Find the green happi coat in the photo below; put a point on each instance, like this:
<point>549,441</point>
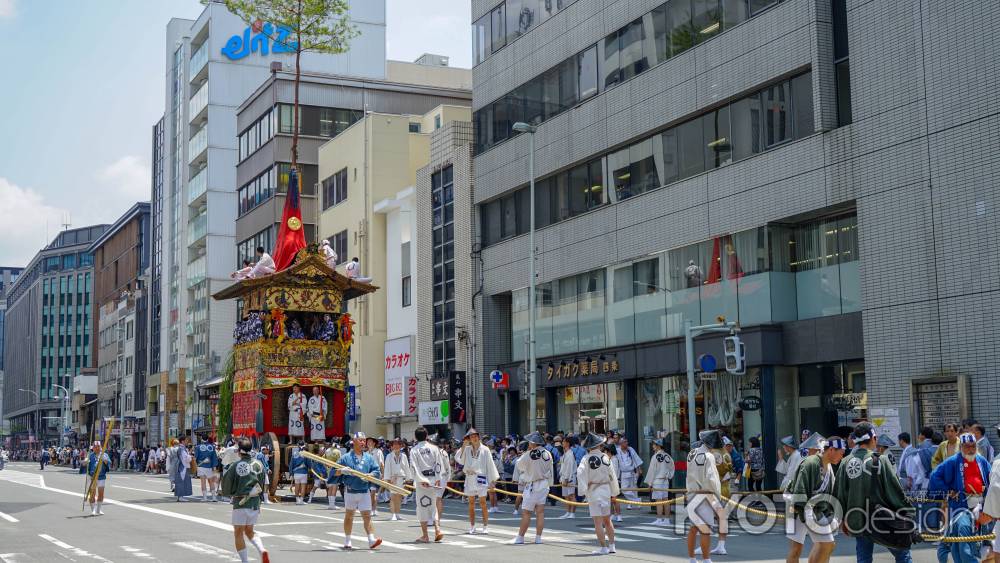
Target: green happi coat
<point>852,488</point>
<point>810,481</point>
<point>243,481</point>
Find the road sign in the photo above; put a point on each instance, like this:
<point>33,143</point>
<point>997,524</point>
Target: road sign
<point>496,376</point>
<point>500,379</point>
<point>706,362</point>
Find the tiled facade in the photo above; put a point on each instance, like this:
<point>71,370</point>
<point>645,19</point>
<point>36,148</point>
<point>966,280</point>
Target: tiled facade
<point>915,162</point>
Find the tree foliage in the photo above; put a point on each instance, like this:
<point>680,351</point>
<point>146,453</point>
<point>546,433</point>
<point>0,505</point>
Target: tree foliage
<point>225,424</point>
<point>319,26</point>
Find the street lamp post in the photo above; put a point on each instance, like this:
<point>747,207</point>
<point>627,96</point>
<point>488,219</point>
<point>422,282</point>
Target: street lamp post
<point>32,430</point>
<point>65,423</point>
<point>522,127</point>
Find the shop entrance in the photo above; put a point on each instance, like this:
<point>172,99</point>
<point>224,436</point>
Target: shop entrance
<point>597,408</point>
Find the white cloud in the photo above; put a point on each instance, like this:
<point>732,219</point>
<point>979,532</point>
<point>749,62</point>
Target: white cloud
<point>7,9</point>
<point>26,222</point>
<point>126,179</point>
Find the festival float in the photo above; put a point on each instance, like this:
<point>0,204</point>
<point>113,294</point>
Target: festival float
<point>293,329</point>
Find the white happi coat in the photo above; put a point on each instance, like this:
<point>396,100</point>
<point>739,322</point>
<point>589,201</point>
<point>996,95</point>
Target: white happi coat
<point>596,478</point>
<point>661,470</point>
<point>628,463</point>
<point>397,468</point>
<point>535,469</point>
<point>788,466</point>
<point>264,266</point>
<point>567,469</point>
<point>703,477</point>
<point>317,426</point>
<point>428,477</point>
<point>296,410</point>
<point>477,464</point>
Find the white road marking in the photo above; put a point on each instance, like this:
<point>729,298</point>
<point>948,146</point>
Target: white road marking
<point>186,517</point>
<point>334,518</point>
<point>136,552</point>
<point>306,540</point>
<point>74,550</point>
<point>10,557</point>
<point>114,486</point>
<point>632,532</point>
<point>401,546</point>
<point>290,523</point>
<point>205,549</point>
<point>8,517</point>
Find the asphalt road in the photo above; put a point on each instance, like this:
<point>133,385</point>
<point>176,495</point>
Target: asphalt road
<point>41,520</point>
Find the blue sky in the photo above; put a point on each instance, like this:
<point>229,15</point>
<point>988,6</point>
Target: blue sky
<point>83,86</point>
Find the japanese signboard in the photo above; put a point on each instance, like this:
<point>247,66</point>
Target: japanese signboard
<point>938,403</point>
<point>411,395</point>
<point>352,403</point>
<point>582,368</point>
<point>398,367</point>
<point>432,412</point>
<point>457,396</point>
<point>439,388</point>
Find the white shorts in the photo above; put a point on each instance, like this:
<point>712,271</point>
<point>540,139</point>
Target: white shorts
<point>568,491</point>
<point>700,511</point>
<point>439,493</point>
<point>318,483</point>
<point>534,495</point>
<point>358,501</point>
<point>100,483</point>
<point>474,488</point>
<point>206,472</point>
<point>300,478</point>
<point>599,508</point>
<point>817,532</point>
<point>245,516</point>
<point>660,495</point>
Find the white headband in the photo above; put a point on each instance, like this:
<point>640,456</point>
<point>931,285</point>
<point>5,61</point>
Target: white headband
<point>863,438</point>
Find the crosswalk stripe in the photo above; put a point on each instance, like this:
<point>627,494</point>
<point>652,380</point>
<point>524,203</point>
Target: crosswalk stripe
<point>10,557</point>
<point>401,546</point>
<point>8,517</point>
<point>74,550</point>
<point>136,552</point>
<point>205,549</point>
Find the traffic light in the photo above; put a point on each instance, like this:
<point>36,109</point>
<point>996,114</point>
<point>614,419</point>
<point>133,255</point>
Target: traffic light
<point>736,355</point>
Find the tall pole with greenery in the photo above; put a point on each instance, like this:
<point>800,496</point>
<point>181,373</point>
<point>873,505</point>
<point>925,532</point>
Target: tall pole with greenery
<point>300,26</point>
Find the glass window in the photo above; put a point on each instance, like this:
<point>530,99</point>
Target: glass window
<point>285,118</point>
<point>734,13</point>
<point>658,28</point>
<point>671,158</point>
<point>501,121</point>
<point>706,18</point>
<point>682,33</point>
<point>643,174</point>
<point>498,27</point>
<point>569,87</point>
<point>551,99</point>
<point>68,261</point>
<point>480,39</point>
<point>560,197</point>
<point>612,60</point>
<point>530,95</point>
<point>777,122</point>
<point>718,148</point>
<point>844,111</point>
<point>543,204</point>
<point>618,166</point>
<point>745,119</point>
<point>509,224</point>
<point>802,105</point>
<point>631,39</point>
<point>522,204</point>
<point>690,148</point>
<point>590,310</point>
<point>579,189</point>
<point>596,192</point>
<point>587,71</point>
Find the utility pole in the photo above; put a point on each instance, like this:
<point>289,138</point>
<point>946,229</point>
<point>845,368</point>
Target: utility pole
<point>65,400</point>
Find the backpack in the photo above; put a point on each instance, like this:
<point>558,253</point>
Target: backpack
<point>893,530</point>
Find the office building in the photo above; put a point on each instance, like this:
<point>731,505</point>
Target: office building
<point>206,80</point>
<point>121,309</point>
<point>330,104</point>
<point>371,160</point>
<point>7,277</point>
<point>49,336</point>
<point>815,171</point>
<point>448,275</point>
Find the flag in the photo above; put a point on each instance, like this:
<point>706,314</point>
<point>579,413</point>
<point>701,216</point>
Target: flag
<point>291,237</point>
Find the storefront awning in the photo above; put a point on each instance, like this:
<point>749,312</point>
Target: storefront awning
<point>214,382</point>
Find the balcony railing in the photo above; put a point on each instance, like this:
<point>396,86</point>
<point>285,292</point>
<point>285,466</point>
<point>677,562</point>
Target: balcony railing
<point>198,60</point>
<point>198,144</point>
<point>197,271</point>
<point>197,186</point>
<point>198,101</point>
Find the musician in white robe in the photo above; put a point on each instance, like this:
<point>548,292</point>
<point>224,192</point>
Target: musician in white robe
<point>480,476</point>
<point>535,468</point>
<point>265,264</point>
<point>661,471</point>
<point>317,416</point>
<point>428,477</point>
<point>328,254</point>
<point>596,480</point>
<point>296,413</point>
<point>397,471</point>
